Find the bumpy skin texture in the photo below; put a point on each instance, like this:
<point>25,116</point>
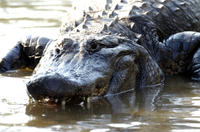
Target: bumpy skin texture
<point>26,53</point>
<point>113,46</point>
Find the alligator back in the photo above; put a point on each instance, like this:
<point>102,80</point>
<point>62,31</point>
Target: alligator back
<point>169,16</point>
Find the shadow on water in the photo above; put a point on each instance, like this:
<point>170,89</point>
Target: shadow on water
<point>21,73</point>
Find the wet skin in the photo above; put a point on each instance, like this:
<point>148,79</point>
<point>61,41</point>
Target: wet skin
<point>102,55</point>
<point>94,66</point>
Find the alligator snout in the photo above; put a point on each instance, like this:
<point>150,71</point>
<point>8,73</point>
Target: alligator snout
<point>53,86</point>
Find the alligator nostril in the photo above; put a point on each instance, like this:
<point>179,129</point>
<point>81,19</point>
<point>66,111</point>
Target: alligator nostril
<point>57,51</point>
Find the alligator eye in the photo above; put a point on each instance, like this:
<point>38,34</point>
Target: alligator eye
<point>93,46</point>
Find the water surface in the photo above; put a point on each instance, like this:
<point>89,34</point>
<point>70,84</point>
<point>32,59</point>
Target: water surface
<point>175,109</point>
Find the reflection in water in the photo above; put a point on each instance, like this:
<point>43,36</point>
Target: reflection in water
<point>125,111</point>
<point>175,108</point>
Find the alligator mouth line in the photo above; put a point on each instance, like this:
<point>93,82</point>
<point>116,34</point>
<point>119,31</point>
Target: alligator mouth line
<point>97,92</point>
<point>60,101</point>
<point>76,99</point>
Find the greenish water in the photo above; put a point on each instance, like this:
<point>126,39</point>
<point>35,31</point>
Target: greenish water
<point>175,109</point>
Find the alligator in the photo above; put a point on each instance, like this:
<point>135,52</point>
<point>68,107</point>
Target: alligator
<point>112,46</point>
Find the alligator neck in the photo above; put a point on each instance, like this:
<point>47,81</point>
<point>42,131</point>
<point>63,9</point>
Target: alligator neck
<point>149,37</point>
<point>149,40</point>
<point>144,33</point>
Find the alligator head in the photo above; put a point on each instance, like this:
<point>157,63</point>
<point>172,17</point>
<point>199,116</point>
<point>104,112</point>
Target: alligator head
<point>95,65</point>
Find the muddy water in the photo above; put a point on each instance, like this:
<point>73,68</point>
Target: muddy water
<point>176,108</point>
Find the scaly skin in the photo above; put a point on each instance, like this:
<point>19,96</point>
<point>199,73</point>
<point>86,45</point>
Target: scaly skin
<point>148,22</point>
<point>111,47</point>
<point>26,53</point>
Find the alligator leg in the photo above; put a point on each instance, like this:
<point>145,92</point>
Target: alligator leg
<point>182,54</point>
<point>26,53</point>
<point>194,68</point>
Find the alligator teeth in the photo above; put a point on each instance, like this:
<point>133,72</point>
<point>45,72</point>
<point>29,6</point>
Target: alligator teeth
<point>36,101</point>
<point>46,99</point>
<point>89,99</point>
<point>31,100</point>
<point>56,100</point>
<point>81,104</point>
<point>63,103</point>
